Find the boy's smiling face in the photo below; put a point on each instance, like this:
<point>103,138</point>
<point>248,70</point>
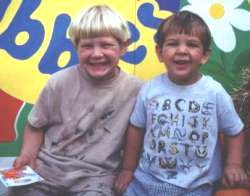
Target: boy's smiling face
<point>182,55</point>
<point>99,56</point>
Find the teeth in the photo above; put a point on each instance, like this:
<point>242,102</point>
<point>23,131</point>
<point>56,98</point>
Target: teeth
<point>181,62</point>
<point>97,63</point>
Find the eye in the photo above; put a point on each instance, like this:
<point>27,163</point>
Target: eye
<point>171,44</point>
<point>107,45</point>
<point>86,46</point>
<point>194,44</point>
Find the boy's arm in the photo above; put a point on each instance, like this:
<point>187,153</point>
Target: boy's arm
<point>133,147</point>
<point>32,141</point>
<point>234,174</point>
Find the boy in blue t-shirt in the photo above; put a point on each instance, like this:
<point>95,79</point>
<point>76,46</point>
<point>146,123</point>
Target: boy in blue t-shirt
<point>174,127</point>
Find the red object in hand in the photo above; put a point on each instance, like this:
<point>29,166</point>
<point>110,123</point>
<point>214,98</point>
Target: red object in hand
<point>11,173</point>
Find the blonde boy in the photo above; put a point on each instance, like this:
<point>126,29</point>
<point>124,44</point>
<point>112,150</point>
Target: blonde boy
<point>75,131</point>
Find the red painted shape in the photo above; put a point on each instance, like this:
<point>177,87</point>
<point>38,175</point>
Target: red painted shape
<point>9,107</point>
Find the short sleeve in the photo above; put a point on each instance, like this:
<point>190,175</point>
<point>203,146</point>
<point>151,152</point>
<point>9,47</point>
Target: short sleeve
<point>229,121</point>
<point>138,116</point>
<point>39,115</point>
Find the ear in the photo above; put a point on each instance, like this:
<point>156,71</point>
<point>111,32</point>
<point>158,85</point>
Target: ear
<point>124,47</point>
<point>158,51</point>
<point>205,58</point>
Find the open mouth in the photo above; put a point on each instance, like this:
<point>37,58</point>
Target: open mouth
<point>181,61</point>
<point>98,64</point>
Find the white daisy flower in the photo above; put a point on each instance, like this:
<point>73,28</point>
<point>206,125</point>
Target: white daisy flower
<point>220,16</point>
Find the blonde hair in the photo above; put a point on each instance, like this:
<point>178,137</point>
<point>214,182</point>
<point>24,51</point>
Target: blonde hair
<point>96,21</point>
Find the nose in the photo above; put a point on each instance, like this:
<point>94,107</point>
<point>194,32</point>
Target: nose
<point>97,51</point>
<point>182,48</point>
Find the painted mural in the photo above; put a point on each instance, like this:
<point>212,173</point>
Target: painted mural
<point>34,44</point>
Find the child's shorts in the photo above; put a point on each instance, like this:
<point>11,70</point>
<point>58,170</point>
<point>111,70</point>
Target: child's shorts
<point>42,189</point>
<point>137,187</point>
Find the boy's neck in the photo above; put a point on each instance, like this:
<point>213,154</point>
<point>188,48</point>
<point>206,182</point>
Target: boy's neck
<point>104,80</point>
<point>184,82</point>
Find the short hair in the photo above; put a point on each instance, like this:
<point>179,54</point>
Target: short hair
<point>184,22</point>
<point>96,21</point>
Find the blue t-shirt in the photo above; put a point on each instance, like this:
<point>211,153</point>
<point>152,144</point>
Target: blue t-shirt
<point>181,124</point>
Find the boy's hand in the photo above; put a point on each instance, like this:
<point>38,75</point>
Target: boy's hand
<point>24,160</point>
<point>122,181</point>
<point>234,176</point>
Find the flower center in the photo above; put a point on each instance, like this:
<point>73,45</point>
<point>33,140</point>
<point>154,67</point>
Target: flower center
<point>217,11</point>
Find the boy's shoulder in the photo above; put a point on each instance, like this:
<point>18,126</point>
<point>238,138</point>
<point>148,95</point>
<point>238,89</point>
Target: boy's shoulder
<point>64,76</point>
<point>156,80</point>
<point>69,71</point>
<point>211,83</point>
<point>153,85</point>
<point>132,80</point>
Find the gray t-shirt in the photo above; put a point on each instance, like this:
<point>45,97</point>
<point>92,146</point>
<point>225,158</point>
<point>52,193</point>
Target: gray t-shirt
<point>84,122</point>
<point>181,130</point>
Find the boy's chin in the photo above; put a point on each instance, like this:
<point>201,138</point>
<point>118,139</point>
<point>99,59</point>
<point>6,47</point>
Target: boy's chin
<point>101,76</point>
